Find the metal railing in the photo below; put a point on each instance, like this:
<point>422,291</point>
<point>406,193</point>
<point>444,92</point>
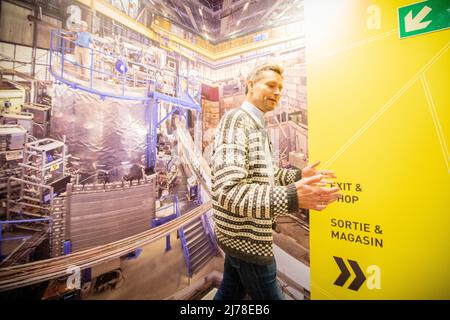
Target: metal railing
<point>187,257</point>
<point>210,233</point>
<point>116,75</point>
<point>103,66</point>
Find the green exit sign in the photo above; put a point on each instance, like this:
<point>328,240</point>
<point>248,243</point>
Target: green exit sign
<point>423,17</point>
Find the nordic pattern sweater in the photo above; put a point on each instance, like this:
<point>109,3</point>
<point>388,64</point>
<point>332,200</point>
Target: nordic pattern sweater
<point>245,205</point>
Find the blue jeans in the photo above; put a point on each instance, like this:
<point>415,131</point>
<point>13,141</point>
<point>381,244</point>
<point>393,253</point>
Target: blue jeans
<point>240,278</point>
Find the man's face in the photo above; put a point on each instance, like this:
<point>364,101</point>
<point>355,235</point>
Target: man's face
<point>265,91</point>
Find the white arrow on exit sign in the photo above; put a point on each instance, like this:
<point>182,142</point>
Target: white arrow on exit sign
<point>413,24</point>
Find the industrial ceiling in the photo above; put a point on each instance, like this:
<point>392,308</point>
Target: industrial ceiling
<point>221,20</point>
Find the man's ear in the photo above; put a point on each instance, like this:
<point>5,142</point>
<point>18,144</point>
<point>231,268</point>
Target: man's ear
<point>250,85</point>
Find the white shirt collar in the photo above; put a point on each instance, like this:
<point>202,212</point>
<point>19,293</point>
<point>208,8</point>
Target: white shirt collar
<point>255,113</point>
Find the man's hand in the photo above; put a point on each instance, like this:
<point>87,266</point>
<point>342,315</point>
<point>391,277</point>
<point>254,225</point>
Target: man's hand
<point>311,170</point>
<point>310,196</point>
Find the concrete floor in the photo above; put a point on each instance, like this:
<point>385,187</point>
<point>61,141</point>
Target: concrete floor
<point>156,274</point>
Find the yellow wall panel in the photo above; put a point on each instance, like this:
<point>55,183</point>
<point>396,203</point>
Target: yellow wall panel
<point>379,116</point>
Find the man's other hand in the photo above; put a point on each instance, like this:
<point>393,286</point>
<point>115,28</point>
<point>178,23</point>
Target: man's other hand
<point>310,196</point>
<point>311,170</point>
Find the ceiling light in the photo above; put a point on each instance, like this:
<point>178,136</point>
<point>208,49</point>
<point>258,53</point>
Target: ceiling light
<point>152,2</point>
<point>204,27</point>
<point>239,21</point>
<point>200,10</point>
<point>246,6</point>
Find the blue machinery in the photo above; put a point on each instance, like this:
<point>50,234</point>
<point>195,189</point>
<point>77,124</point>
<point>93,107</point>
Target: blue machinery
<point>182,102</point>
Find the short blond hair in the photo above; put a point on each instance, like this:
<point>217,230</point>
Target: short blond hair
<point>255,73</point>
<point>83,24</point>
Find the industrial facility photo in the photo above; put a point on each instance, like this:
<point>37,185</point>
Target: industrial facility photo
<point>114,115</point>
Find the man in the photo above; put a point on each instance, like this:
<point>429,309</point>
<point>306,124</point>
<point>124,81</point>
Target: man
<point>249,192</point>
<point>82,41</point>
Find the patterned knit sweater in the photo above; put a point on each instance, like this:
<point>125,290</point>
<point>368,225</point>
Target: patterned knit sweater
<point>244,203</point>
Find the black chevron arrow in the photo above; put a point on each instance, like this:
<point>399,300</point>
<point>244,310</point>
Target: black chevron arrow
<point>345,274</point>
<point>360,277</point>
